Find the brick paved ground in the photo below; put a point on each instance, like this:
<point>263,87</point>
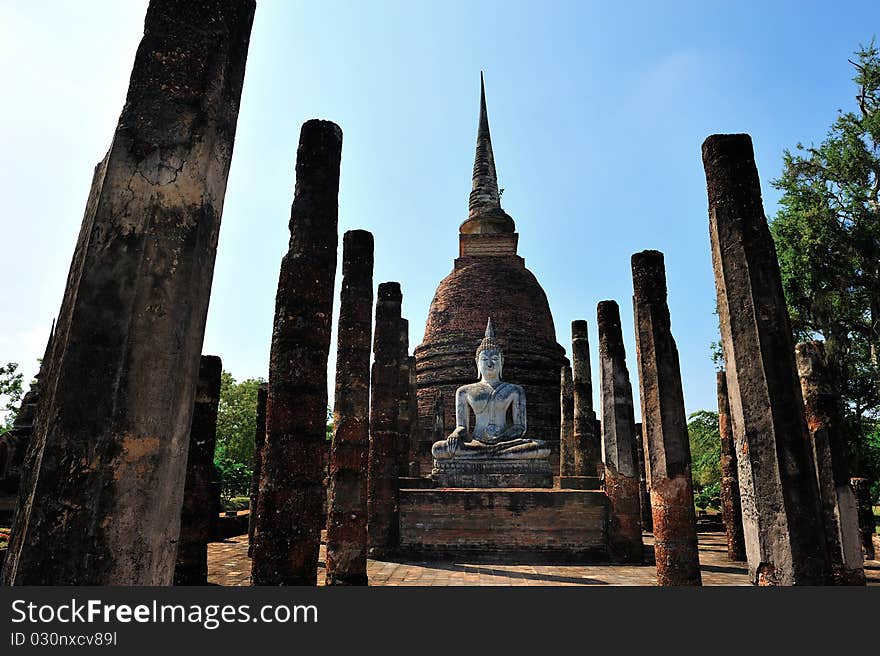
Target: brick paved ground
<point>228,564</point>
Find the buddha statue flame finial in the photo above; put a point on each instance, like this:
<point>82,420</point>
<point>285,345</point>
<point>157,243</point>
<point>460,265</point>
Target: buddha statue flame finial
<point>489,343</point>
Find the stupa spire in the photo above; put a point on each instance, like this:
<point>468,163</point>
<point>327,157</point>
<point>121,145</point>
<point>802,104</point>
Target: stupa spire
<point>485,180</point>
<point>484,205</point>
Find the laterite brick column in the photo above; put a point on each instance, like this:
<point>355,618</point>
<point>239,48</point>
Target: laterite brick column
<point>867,524</point>
<point>404,420</point>
<point>782,516</point>
<point>644,493</point>
<point>566,426</point>
<point>259,443</point>
<point>197,518</point>
<point>347,506</point>
<point>102,485</point>
<point>292,494</point>
<point>383,492</point>
<point>823,410</point>
<point>618,440</point>
<point>586,444</point>
<point>731,506</point>
<point>665,427</point>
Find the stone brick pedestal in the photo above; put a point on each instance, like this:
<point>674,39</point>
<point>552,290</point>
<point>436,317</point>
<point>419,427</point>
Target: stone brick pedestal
<point>492,473</point>
<point>493,524</point>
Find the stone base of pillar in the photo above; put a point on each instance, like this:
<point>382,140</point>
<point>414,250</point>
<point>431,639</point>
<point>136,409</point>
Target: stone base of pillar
<point>577,482</point>
<point>624,518</point>
<point>492,473</point>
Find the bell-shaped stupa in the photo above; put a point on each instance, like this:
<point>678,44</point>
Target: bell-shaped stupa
<point>489,279</point>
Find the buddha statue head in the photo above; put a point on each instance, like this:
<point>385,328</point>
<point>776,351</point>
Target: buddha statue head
<point>489,357</point>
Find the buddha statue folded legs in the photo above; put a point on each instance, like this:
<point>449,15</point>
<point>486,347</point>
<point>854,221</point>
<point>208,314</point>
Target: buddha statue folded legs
<point>499,431</point>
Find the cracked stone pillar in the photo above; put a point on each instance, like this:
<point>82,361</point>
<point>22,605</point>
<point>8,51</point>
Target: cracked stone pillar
<point>644,493</point>
<point>259,442</point>
<point>197,517</point>
<point>404,419</point>
<point>668,453</point>
<point>782,517</point>
<point>383,493</point>
<point>347,505</point>
<point>100,503</point>
<point>618,440</point>
<point>292,494</point>
<point>731,507</point>
<point>823,411</point>
<point>566,425</point>
<point>582,453</point>
<point>867,524</point>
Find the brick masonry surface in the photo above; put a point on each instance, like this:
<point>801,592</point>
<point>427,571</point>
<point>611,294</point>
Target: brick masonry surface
<point>496,287</point>
<point>228,564</point>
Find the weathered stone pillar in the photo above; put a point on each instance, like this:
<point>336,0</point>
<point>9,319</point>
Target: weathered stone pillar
<point>566,425</point>
<point>259,443</point>
<point>584,450</point>
<point>292,494</point>
<point>731,506</point>
<point>414,466</point>
<point>822,408</point>
<point>782,518</point>
<point>347,505</point>
<point>668,453</point>
<point>100,503</point>
<point>196,516</point>
<point>383,493</point>
<point>618,440</point>
<point>644,493</point>
<point>867,524</point>
<point>404,420</point>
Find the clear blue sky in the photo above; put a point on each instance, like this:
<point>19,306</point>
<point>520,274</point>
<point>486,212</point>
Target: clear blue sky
<point>597,113</point>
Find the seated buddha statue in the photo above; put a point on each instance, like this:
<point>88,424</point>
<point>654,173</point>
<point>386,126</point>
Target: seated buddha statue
<point>500,412</point>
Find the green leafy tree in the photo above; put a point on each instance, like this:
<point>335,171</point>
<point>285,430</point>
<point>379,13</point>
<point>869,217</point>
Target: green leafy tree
<point>827,235</point>
<point>705,443</point>
<point>10,394</point>
<point>236,423</point>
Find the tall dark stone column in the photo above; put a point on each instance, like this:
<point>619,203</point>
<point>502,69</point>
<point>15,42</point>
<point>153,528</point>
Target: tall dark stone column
<point>665,427</point>
<point>823,411</point>
<point>867,524</point>
<point>731,506</point>
<point>618,440</point>
<point>259,443</point>
<point>583,452</point>
<point>382,497</point>
<point>644,493</point>
<point>566,424</point>
<point>413,466</point>
<point>349,455</point>
<point>290,505</point>
<point>197,517</point>
<point>782,518</point>
<point>100,502</point>
<point>404,420</point>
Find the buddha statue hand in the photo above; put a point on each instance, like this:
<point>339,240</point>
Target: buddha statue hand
<point>453,442</point>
